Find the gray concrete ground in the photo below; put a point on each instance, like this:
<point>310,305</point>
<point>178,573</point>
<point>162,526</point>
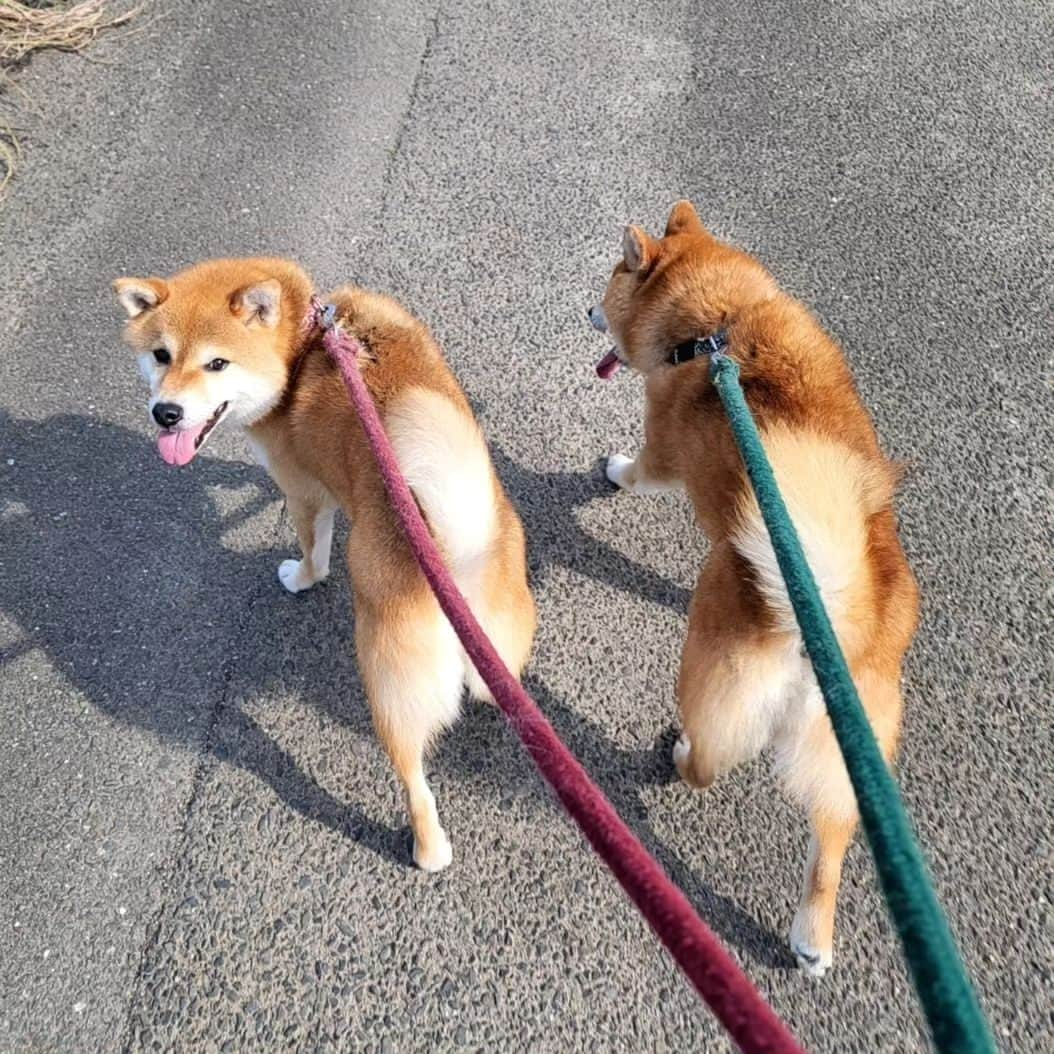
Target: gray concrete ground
<point>201,846</point>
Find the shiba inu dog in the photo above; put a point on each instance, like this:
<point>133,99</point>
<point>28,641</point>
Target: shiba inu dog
<point>225,344</point>
<point>745,683</point>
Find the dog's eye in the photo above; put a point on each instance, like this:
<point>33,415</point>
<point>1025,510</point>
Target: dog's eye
<point>162,356</point>
<point>216,365</point>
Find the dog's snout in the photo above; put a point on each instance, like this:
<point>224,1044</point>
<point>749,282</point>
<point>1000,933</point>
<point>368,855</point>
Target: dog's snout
<point>168,414</point>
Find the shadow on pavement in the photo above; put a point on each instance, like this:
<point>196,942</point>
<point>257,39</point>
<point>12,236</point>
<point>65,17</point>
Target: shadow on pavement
<point>546,501</point>
<point>481,746</point>
<point>118,571</point>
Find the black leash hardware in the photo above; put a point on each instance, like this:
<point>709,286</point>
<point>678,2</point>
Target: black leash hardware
<point>690,350</point>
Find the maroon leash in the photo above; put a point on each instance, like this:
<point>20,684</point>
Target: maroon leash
<point>738,1005</point>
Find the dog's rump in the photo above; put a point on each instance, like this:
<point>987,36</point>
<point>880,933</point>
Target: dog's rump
<point>444,457</point>
<point>831,492</point>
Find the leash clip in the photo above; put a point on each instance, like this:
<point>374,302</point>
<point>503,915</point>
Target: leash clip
<point>714,346</point>
<point>328,316</point>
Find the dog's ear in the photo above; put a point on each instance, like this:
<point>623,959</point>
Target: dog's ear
<point>259,304</point>
<point>140,294</point>
<point>638,250</point>
<point>684,219</point>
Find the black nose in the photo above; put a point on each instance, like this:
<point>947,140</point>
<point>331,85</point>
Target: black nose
<point>168,414</point>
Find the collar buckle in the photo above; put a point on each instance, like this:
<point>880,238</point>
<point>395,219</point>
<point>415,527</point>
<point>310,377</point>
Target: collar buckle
<point>690,350</point>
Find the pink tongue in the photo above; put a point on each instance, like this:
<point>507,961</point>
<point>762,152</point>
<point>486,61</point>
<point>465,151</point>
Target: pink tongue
<point>177,448</point>
<point>608,366</point>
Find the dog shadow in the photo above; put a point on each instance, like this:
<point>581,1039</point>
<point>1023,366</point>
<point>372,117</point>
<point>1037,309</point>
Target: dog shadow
<point>102,556</point>
<point>546,502</point>
<point>479,747</point>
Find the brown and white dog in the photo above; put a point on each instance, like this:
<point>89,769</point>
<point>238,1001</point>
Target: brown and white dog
<point>223,343</point>
<point>745,683</point>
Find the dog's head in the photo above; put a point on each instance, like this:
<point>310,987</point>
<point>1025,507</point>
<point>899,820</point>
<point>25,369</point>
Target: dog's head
<point>665,291</point>
<point>214,343</point>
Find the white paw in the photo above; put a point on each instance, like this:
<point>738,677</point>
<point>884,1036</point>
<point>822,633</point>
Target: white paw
<point>682,760</point>
<point>294,577</point>
<point>813,961</point>
<point>681,749</point>
<point>438,856</point>
<point>618,469</point>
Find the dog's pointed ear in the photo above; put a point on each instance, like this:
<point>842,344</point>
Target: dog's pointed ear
<point>137,295</point>
<point>260,303</point>
<point>684,219</point>
<point>638,250</point>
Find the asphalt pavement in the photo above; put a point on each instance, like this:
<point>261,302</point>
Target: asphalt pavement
<point>202,847</point>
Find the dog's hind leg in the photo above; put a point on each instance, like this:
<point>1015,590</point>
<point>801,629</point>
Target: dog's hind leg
<point>510,627</point>
<point>812,933</point>
<point>731,695</point>
<point>815,774</point>
<point>733,686</point>
<point>413,673</point>
<point>501,599</point>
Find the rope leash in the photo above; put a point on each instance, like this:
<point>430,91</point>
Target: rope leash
<point>943,987</point>
<point>749,1020</point>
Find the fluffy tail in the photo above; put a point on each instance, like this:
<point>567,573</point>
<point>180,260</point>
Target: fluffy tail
<point>445,460</point>
<point>830,492</point>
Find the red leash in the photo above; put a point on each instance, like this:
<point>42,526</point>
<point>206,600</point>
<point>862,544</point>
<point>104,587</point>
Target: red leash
<point>750,1021</point>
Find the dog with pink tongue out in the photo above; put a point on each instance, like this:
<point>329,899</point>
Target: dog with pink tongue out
<point>234,342</point>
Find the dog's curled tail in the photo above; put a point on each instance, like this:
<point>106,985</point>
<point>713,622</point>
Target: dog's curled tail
<point>831,492</point>
<point>444,457</point>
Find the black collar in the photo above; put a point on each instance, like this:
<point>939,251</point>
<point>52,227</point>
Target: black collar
<point>692,349</point>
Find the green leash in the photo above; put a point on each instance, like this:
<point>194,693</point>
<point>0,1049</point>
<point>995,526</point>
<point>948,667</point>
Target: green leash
<point>944,989</point>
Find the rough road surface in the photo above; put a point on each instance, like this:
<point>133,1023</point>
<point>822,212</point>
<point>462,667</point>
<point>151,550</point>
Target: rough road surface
<point>201,846</point>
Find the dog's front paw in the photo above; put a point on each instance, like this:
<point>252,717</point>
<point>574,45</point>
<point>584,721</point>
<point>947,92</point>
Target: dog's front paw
<point>813,960</point>
<point>682,750</point>
<point>619,470</point>
<point>692,766</point>
<point>295,576</point>
<point>434,856</point>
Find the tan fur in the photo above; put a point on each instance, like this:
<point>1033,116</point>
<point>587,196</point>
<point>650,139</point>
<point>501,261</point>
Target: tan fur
<point>744,684</point>
<point>292,403</point>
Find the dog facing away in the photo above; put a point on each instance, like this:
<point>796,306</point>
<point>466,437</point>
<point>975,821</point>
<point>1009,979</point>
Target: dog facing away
<point>745,683</point>
<point>224,344</point>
